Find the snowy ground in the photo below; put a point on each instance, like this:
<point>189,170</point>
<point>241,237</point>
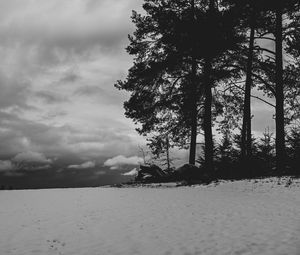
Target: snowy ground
<point>256,217</point>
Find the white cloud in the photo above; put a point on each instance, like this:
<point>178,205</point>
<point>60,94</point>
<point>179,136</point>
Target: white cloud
<point>133,172</point>
<point>31,157</point>
<point>118,161</point>
<point>85,165</point>
<point>6,165</point>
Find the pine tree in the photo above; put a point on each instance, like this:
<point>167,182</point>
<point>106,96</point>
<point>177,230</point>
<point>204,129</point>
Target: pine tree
<point>293,150</point>
<point>175,67</point>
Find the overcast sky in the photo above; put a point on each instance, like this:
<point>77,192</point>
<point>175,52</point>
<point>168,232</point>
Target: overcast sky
<point>59,60</point>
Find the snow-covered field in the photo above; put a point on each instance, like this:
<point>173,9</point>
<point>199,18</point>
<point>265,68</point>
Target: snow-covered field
<point>243,217</point>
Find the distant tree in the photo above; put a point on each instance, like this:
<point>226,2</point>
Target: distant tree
<point>225,155</point>
<point>265,150</point>
<point>224,148</point>
<point>293,150</point>
<point>160,147</point>
<point>146,155</point>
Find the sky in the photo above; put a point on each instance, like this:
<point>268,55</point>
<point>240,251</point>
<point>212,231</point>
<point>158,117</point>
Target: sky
<point>61,118</point>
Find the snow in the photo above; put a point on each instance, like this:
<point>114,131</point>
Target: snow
<point>242,217</point>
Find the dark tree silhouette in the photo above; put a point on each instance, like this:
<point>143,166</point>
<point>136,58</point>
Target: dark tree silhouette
<point>220,26</point>
<point>280,132</point>
<point>293,149</point>
<point>249,12</point>
<point>168,56</point>
<point>193,90</point>
<point>160,77</point>
<point>190,59</point>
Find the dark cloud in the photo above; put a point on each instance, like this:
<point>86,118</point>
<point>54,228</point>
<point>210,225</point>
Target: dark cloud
<point>70,77</point>
<point>51,97</point>
<point>59,61</point>
<point>14,91</point>
<point>6,165</point>
<point>90,91</point>
<point>20,135</point>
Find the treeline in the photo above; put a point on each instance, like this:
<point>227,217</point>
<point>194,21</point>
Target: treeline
<point>196,65</point>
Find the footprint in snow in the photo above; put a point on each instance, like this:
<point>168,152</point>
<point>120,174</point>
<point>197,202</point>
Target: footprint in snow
<point>56,245</point>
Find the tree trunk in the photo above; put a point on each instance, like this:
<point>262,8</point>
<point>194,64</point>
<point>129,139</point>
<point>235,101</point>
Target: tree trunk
<point>194,119</point>
<point>246,129</point>
<point>207,125</point>
<point>168,152</point>
<point>207,121</point>
<point>280,133</point>
<point>193,96</point>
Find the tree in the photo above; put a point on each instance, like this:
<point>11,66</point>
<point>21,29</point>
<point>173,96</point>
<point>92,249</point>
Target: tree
<point>266,149</point>
<point>292,33</point>
<point>226,155</point>
<point>273,63</point>
<point>160,147</point>
<point>292,94</point>
<point>175,67</point>
<point>279,9</point>
<point>221,26</point>
<point>179,70</point>
<point>280,132</point>
<point>160,78</point>
<point>194,115</point>
<point>249,12</point>
<point>293,149</point>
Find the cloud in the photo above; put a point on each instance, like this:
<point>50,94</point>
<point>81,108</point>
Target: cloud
<point>51,97</point>
<point>36,168</point>
<point>133,172</point>
<point>6,165</point>
<point>32,157</point>
<point>65,29</point>
<point>14,91</point>
<point>29,161</point>
<point>118,161</point>
<point>56,79</point>
<point>70,77</point>
<point>68,143</point>
<point>100,173</point>
<point>85,165</point>
<point>13,174</point>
